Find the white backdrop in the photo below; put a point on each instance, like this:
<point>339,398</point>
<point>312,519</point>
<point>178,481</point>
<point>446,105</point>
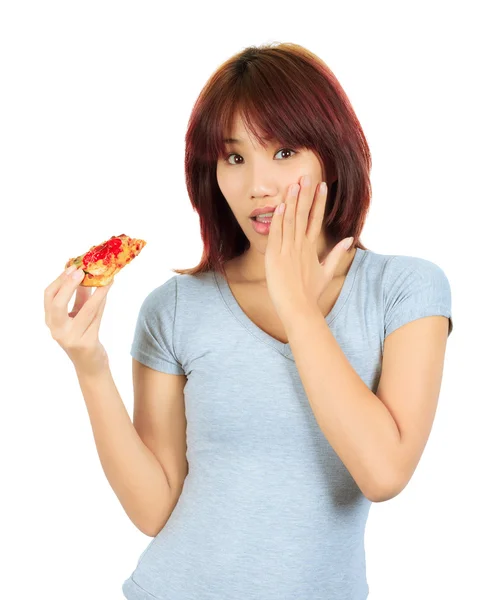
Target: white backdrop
<point>94,103</point>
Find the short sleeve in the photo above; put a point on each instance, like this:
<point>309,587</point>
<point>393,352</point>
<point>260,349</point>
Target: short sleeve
<point>414,288</point>
<point>154,332</point>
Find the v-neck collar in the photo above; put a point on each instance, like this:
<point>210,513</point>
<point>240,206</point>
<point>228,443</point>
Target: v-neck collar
<point>285,349</point>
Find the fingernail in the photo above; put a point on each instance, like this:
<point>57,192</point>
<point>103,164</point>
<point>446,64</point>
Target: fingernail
<point>347,243</point>
<point>78,275</point>
<point>70,269</point>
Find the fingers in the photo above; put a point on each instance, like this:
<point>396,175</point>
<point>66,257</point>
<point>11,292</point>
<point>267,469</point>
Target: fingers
<point>50,294</point>
<point>58,297</point>
<point>333,259</point>
<point>275,236</point>
<point>52,290</point>
<point>82,295</point>
<point>317,213</point>
<point>97,318</point>
<point>289,218</point>
<point>91,312</point>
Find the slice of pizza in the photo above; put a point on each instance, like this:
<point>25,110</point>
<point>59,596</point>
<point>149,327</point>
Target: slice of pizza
<point>101,263</point>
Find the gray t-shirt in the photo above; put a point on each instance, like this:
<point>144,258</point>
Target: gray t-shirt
<point>268,511</point>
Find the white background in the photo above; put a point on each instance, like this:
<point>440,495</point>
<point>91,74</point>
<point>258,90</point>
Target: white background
<point>94,103</point>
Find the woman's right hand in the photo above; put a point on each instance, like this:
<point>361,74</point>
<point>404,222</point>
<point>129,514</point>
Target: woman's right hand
<point>77,332</point>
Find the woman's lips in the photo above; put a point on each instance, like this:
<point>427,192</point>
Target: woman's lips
<point>261,228</point>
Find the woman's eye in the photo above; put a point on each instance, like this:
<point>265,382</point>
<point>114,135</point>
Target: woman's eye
<point>227,159</point>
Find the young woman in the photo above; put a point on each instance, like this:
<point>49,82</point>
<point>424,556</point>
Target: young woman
<point>286,382</point>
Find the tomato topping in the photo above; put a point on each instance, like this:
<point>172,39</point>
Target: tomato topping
<point>104,252</point>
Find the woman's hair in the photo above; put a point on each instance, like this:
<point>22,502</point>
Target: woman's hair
<point>281,92</point>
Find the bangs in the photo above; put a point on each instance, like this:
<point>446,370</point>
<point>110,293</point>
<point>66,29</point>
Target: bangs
<point>267,116</point>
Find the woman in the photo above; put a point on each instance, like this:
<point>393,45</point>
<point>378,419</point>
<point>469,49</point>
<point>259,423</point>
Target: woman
<point>279,405</point>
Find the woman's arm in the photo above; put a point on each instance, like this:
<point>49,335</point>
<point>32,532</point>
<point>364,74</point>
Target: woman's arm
<point>133,471</point>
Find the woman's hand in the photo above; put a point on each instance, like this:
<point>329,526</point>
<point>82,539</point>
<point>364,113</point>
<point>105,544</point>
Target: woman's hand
<point>77,332</point>
<point>295,277</point>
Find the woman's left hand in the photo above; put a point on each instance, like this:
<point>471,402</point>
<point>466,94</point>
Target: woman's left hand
<point>295,278</point>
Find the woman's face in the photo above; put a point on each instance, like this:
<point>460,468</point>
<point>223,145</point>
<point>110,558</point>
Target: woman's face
<point>253,177</point>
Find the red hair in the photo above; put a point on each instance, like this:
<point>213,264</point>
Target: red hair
<point>281,92</point>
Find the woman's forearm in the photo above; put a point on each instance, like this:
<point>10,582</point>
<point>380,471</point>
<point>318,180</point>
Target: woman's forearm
<point>133,471</point>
